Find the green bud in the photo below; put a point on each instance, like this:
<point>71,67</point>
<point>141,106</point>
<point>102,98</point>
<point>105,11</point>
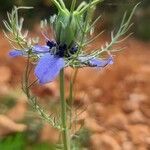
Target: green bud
<point>66,27</point>
<point>68,23</point>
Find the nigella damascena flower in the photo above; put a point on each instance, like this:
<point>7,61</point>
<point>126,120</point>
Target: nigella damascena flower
<point>72,28</point>
<point>54,56</point>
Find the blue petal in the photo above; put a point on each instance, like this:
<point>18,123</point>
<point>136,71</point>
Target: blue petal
<point>15,53</point>
<point>40,49</point>
<point>48,68</point>
<point>100,63</point>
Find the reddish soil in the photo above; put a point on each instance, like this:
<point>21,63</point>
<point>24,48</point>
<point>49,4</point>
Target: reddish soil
<point>117,98</point>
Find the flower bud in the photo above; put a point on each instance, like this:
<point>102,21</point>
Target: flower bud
<point>66,27</point>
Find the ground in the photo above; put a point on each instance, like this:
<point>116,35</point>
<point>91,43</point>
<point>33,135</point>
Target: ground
<point>115,100</point>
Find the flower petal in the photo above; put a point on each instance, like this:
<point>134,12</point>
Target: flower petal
<point>100,63</point>
<point>15,53</point>
<point>48,68</point>
<point>40,49</point>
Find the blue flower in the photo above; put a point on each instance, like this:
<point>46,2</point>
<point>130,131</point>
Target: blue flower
<point>53,57</point>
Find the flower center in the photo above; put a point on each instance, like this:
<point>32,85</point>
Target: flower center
<point>62,50</point>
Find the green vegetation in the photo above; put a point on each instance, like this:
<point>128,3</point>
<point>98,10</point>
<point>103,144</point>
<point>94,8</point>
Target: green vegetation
<point>19,141</point>
<point>22,141</point>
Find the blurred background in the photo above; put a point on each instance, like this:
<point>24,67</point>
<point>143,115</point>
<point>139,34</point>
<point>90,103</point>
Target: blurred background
<point>115,102</point>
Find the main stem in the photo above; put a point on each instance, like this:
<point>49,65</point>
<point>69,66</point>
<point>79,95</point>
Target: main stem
<point>65,135</point>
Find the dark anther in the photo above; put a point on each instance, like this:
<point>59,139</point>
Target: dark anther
<point>74,49</point>
<point>62,47</point>
<point>51,44</point>
<point>62,50</point>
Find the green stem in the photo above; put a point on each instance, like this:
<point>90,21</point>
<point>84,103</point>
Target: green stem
<point>65,135</point>
<point>71,94</point>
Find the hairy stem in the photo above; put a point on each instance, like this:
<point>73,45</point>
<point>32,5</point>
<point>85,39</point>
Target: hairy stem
<point>65,135</point>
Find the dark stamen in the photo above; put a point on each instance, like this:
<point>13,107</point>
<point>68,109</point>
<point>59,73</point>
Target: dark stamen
<point>74,49</point>
<point>51,44</point>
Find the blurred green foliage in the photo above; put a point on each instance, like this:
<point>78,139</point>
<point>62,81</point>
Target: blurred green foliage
<point>81,139</point>
<point>6,102</point>
<point>112,10</point>
<point>19,141</point>
<point>22,141</point>
<point>13,142</point>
